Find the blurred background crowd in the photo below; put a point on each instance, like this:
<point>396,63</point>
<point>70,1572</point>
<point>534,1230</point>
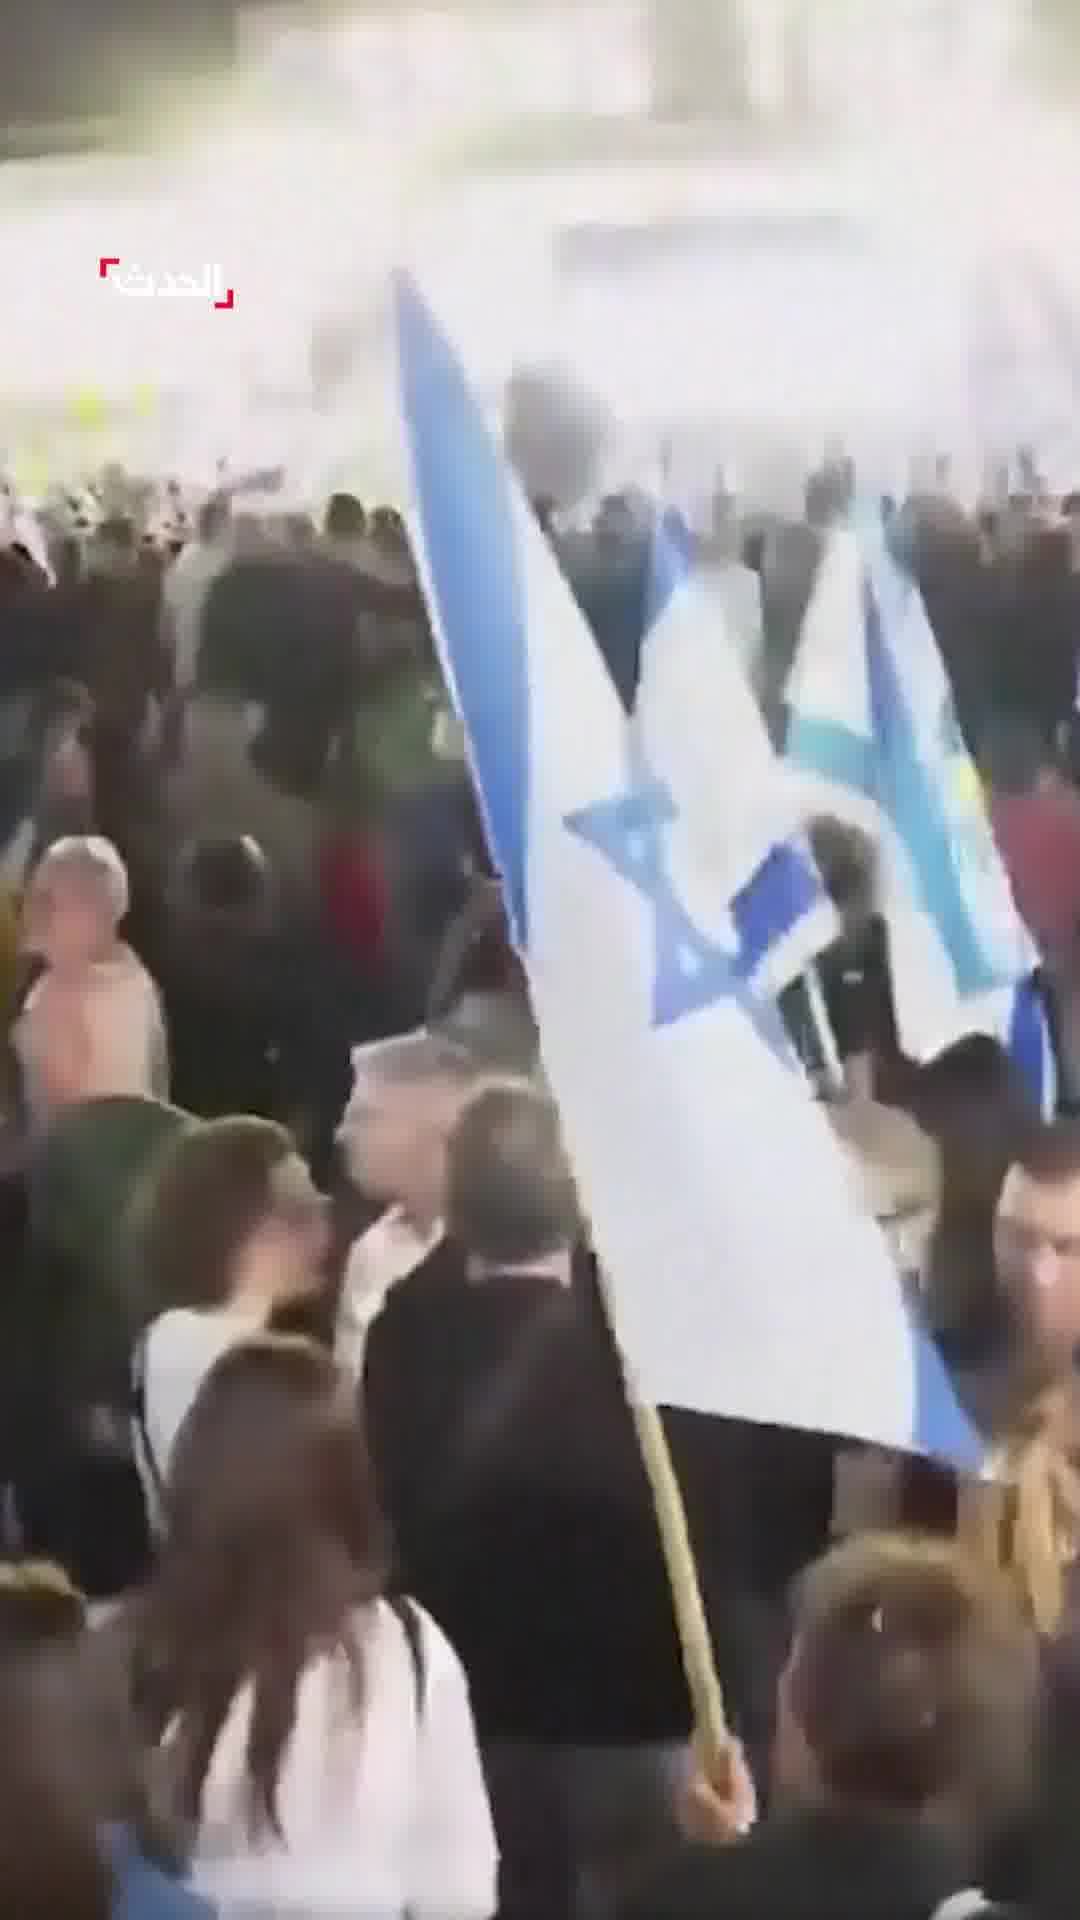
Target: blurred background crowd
<point>330,1579</point>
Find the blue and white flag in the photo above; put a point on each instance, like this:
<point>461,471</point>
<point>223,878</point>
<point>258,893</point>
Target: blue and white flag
<point>746,1281</point>
<point>873,733</point>
<point>701,730</point>
<point>1026,1036</point>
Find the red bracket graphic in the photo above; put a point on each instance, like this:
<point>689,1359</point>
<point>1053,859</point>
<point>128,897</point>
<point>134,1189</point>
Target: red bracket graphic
<point>226,305</point>
<point>106,261</point>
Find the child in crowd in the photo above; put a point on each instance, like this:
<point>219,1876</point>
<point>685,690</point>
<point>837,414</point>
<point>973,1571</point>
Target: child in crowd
<point>92,1024</point>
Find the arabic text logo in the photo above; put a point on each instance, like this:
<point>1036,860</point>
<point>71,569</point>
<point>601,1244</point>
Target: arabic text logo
<point>168,286</point>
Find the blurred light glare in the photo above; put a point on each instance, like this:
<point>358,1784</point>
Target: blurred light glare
<point>306,192</point>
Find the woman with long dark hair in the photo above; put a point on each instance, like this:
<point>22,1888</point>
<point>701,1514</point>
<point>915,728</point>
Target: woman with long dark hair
<point>320,1738</point>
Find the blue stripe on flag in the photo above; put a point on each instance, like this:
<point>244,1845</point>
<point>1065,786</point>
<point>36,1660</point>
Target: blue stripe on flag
<point>466,508</point>
<point>785,887</point>
<point>1029,1043</point>
<point>909,799</point>
<point>832,751</point>
<point>738,1339</point>
<point>670,563</point>
<point>942,1429</point>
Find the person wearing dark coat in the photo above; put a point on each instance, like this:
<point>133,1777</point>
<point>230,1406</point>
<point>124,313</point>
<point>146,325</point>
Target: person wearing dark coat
<point>510,1473</point>
<point>905,1764</point>
<point>507,1465</point>
<point>1038,635</point>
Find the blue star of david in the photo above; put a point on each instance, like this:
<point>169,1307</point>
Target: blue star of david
<point>691,971</point>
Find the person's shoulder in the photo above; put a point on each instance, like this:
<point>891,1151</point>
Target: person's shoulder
<point>404,1635</point>
<point>174,1323</point>
<point>694,1880</point>
<point>437,1282</point>
<point>420,1320</point>
<point>125,974</point>
<point>403,1623</point>
<point>41,993</point>
<point>131,965</point>
<point>179,1332</point>
<point>767,1872</point>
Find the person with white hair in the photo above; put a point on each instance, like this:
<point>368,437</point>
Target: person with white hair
<point>92,1024</point>
<point>406,1095</point>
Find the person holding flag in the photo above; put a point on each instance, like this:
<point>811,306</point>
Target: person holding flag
<point>686,1117</point>
<point>873,738</point>
<point>752,863</point>
<point>667,1063</point>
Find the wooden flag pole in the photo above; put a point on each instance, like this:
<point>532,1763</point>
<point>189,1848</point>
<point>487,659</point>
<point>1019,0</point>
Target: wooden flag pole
<point>695,1641</point>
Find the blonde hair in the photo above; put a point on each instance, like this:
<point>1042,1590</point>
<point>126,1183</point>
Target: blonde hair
<point>1027,1522</point>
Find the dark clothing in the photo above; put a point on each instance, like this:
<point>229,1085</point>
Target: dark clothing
<point>278,628</point>
<point>1034,670</point>
<point>105,633</point>
<point>577,1826</point>
<point>854,976</point>
<point>431,844</point>
<point>818,1864</point>
<point>510,1473</point>
<point>962,604</point>
<point>791,558</point>
<point>518,1503</point>
<point>609,578</point>
<point>1055,1850</point>
<point>284,629</point>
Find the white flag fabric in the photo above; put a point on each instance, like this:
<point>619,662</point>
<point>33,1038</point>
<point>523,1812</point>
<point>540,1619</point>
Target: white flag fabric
<point>751,880</point>
<point>746,1281</point>
<point>874,736</point>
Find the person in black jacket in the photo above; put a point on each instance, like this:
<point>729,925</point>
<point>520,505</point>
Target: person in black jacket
<point>508,1468</point>
<point>510,1473</point>
<point>905,1760</point>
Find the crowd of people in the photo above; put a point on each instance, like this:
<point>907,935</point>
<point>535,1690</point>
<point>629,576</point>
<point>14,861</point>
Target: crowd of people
<point>331,1580</point>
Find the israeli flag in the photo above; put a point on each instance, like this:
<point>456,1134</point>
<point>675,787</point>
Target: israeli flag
<point>701,728</point>
<point>873,733</point>
<point>1026,1035</point>
<point>746,1281</point>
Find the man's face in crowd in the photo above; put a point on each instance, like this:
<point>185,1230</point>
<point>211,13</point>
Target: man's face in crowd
<point>1037,1250</point>
<point>66,920</point>
<point>393,1133</point>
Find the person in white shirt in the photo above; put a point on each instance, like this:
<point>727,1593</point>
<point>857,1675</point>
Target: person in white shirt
<point>186,585</point>
<point>319,1736</point>
<point>232,1233</point>
<point>92,1025</point>
<point>408,1092</point>
<point>406,1097</point>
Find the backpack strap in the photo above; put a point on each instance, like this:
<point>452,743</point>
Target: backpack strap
<point>408,1613</point>
<point>138,1415</point>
